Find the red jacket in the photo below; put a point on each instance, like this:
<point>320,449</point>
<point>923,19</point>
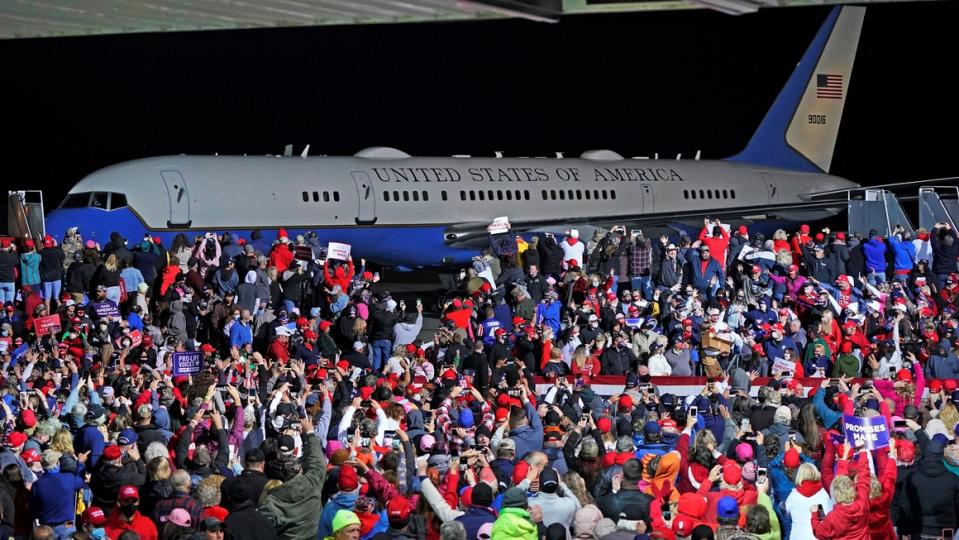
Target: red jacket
<point>281,257</point>
<point>717,246</point>
<point>341,276</point>
<point>880,520</point>
<point>847,521</point>
<point>746,497</point>
<point>141,525</point>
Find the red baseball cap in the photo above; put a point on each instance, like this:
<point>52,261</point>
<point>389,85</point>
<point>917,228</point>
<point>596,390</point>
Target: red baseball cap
<point>518,320</point>
<point>324,325</point>
<point>604,425</point>
<point>398,509</point>
<point>344,365</point>
<point>30,455</point>
<point>15,439</point>
<point>206,347</point>
<point>129,493</point>
<point>309,334</point>
<point>94,516</point>
<point>791,458</point>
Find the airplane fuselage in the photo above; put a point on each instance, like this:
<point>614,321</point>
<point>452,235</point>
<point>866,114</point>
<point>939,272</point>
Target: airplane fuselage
<point>415,211</point>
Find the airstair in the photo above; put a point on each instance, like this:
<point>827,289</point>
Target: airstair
<point>938,204</point>
<point>25,217</point>
<point>878,209</point>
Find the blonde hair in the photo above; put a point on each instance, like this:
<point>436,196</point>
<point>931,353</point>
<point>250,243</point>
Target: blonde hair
<point>807,472</point>
<point>158,469</point>
<point>780,235</point>
<point>577,485</point>
<point>62,442</point>
<point>580,356</point>
<point>268,487</point>
<point>949,414</point>
<point>843,491</point>
<point>359,327</point>
<point>112,263</point>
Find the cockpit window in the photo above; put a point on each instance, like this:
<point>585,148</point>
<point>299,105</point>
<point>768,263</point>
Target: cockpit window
<point>117,200</point>
<point>99,200</point>
<point>76,200</point>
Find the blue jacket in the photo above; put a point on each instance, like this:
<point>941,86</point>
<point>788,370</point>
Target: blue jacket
<point>699,278</point>
<point>829,416</point>
<point>528,438</point>
<point>53,498</point>
<point>89,438</point>
<point>875,251</point>
<point>474,518</point>
<point>904,252</point>
<point>30,268</point>
<point>340,501</point>
<point>240,334</point>
<point>549,314</point>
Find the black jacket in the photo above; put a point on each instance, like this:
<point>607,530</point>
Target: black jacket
<point>381,324</point>
<point>617,361</point>
<point>107,479</point>
<point>931,492</point>
<point>51,264</point>
<point>611,504</point>
<point>8,261</point>
<point>550,255</point>
<point>147,434</point>
<point>254,480</point>
<point>478,363</point>
<point>247,523</point>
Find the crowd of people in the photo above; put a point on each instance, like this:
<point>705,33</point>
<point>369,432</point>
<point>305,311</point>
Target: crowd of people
<point>235,387</point>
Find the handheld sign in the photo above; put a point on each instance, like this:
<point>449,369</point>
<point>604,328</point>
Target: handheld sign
<point>106,309</point>
<point>135,337</point>
<point>500,225</point>
<point>781,364</point>
<point>871,431</point>
<point>47,325</point>
<point>17,353</point>
<point>187,362</point>
<point>338,251</point>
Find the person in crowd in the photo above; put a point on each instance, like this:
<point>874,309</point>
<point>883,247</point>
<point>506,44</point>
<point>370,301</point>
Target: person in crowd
<point>260,392</point>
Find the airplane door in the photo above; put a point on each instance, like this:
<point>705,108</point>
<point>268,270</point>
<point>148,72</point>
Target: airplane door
<point>771,187</point>
<point>366,213</point>
<point>649,202</point>
<point>179,197</point>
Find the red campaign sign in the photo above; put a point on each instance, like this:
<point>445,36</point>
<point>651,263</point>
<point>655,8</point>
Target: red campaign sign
<point>47,325</point>
<point>136,338</point>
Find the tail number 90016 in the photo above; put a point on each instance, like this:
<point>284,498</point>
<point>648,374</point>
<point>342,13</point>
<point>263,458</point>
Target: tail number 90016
<point>819,119</point>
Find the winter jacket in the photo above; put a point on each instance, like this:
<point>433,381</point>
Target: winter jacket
<point>474,518</point>
<point>528,438</point>
<point>847,521</point>
<point>701,274</point>
<point>295,507</point>
<point>340,501</point>
<point>931,492</point>
<point>514,524</point>
<point>140,524</point>
<point>944,256</point>
<point>8,265</point>
<point>556,509</point>
<point>875,252</point>
<point>904,253</point>
<point>797,508</point>
<point>612,504</point>
<point>53,498</point>
<point>880,519</point>
<point>30,268</point>
<point>246,523</point>
<point>107,479</point>
<point>51,264</point>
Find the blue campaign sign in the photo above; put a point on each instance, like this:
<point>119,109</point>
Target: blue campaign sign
<point>17,353</point>
<point>107,308</point>
<point>873,432</point>
<point>187,362</point>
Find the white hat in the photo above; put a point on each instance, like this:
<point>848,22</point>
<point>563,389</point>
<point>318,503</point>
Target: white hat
<point>593,317</point>
<point>900,307</point>
<point>358,345</point>
<point>873,305</point>
<point>283,331</point>
<point>574,233</point>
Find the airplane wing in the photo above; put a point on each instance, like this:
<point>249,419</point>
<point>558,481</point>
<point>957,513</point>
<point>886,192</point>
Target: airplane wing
<point>474,234</point>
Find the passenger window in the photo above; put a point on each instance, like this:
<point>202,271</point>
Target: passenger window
<point>526,194</point>
<point>596,194</point>
<point>725,194</point>
<point>482,195</point>
<point>562,195</point>
<point>118,200</point>
<point>472,196</point>
<point>569,194</point>
<point>336,196</point>
<point>406,196</point>
<point>732,193</point>
<point>612,194</point>
<point>552,194</point>
<point>306,197</point>
<point>604,194</point>
<point>326,196</point>
<point>709,194</point>
<point>386,196</point>
<point>587,195</point>
<point>685,193</point>
<point>443,195</point>
<point>490,195</point>
<point>426,196</point>
<point>499,195</point>
<point>509,195</point>
<point>462,195</point>
<point>545,194</point>
<point>518,195</point>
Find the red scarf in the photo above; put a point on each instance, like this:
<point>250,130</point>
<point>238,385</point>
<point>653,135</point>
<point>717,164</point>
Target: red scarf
<point>572,241</point>
<point>809,487</point>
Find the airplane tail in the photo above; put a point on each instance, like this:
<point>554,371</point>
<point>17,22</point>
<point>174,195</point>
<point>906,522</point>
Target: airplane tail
<point>799,131</point>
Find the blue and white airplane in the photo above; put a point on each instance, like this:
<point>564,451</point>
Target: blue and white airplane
<point>406,211</point>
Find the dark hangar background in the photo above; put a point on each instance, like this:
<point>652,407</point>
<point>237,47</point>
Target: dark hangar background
<point>639,83</point>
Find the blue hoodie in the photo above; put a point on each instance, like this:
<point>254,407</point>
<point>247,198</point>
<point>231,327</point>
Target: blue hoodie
<point>904,252</point>
<point>875,251</point>
<point>340,501</point>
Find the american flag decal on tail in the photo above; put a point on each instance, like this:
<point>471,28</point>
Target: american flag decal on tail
<point>828,86</point>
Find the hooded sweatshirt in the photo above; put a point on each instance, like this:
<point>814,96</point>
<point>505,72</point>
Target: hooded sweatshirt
<point>931,491</point>
<point>515,524</point>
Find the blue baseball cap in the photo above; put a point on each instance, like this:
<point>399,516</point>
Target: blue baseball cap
<point>727,508</point>
<point>127,436</point>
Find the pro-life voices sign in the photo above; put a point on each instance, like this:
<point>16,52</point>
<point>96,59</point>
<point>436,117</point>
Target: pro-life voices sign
<point>871,431</point>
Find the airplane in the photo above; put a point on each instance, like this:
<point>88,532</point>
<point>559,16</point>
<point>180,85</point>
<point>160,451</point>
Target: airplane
<point>407,212</point>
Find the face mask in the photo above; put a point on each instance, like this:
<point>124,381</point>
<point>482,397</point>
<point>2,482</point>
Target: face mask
<point>128,510</point>
<point>595,283</point>
<point>236,317</point>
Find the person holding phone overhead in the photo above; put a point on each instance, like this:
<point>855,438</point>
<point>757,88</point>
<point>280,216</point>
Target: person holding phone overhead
<point>849,519</point>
